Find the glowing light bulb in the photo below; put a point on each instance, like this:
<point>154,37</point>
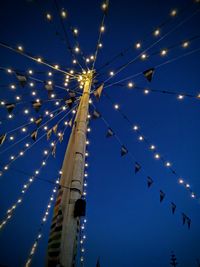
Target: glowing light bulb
<point>20,48</point>
<point>157,156</point>
<point>157,32</point>
<point>130,84</point>
<point>63,14</point>
<point>100,45</point>
<point>173,12</point>
<point>116,106</point>
<point>102,29</point>
<point>48,16</point>
<point>111,73</point>
<point>180,181</point>
<point>146,91</point>
<point>143,56</point>
<point>77,49</point>
<point>138,45</point>
<point>75,31</point>
<point>163,52</point>
<point>185,44</point>
<point>168,164</point>
<point>180,97</point>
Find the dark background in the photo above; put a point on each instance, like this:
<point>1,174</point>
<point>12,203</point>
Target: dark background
<point>127,226</point>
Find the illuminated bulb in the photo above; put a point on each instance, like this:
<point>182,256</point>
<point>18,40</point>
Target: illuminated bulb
<point>180,97</point>
<point>45,152</point>
<point>21,153</point>
<point>173,12</point>
<point>44,219</point>
<point>47,112</point>
<point>43,163</point>
<point>48,16</point>
<point>31,119</point>
<point>87,60</point>
<point>33,93</point>
<point>9,70</point>
<point>6,168</point>
<point>49,73</point>
<point>138,45</point>
<point>116,106</point>
<point>141,138</point>
<point>57,103</point>
<point>88,129</point>
<point>26,111</point>
<point>56,66</point>
<point>63,14</point>
<point>45,128</point>
<point>51,115</point>
<point>135,127</point>
<point>31,180</point>
<point>180,181</point>
<point>30,72</point>
<point>53,95</point>
<point>12,157</point>
<point>90,101</point>
<point>187,186</point>
<point>37,172</point>
<point>76,49</point>
<point>74,111</point>
<point>102,29</point>
<point>72,71</point>
<point>157,156</point>
<point>39,59</point>
<point>100,45</point>
<point>66,84</point>
<point>146,91</point>
<point>168,164</point>
<point>2,103</point>
<point>75,31</point>
<point>31,84</point>
<point>27,145</point>
<point>13,86</point>
<point>24,130</point>
<point>157,32</point>
<point>92,57</point>
<point>87,142</point>
<point>111,73</point>
<point>65,123</point>
<point>185,44</point>
<point>104,6</point>
<point>163,52</point>
<point>74,61</point>
<point>130,84</point>
<point>193,195</point>
<point>86,154</point>
<point>64,108</point>
<point>20,48</point>
<point>10,116</point>
<point>143,56</point>
<point>152,147</point>
<point>18,98</point>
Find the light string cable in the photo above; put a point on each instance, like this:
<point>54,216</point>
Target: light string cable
<point>153,44</point>
<point>138,166</point>
<point>138,45</point>
<point>105,7</point>
<point>53,117</point>
<point>154,150</point>
<point>26,186</point>
<point>22,152</point>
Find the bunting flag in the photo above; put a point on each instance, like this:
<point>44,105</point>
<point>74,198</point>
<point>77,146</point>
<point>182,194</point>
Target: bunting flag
<point>173,206</point>
<point>149,181</point>
<point>70,123</point>
<point>10,107</point>
<point>49,133</point>
<point>53,152</point>
<point>149,74</point>
<point>2,139</point>
<point>98,263</point>
<point>184,218</point>
<point>55,128</point>
<point>69,102</point>
<point>34,135</point>
<point>38,121</point>
<point>96,115</point>
<point>124,151</point>
<point>72,95</point>
<point>137,167</point>
<point>54,241</point>
<point>162,195</point>
<point>22,79</point>
<point>61,137</point>
<point>36,105</point>
<point>48,87</point>
<point>98,92</point>
<point>110,133</point>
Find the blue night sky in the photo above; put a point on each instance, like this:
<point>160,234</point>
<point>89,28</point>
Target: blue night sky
<point>127,225</point>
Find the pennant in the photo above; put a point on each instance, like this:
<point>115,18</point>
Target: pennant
<point>38,121</point>
<point>70,123</point>
<point>55,128</point>
<point>149,74</point>
<point>124,151</point>
<point>109,132</point>
<point>36,105</point>
<point>69,102</point>
<point>22,79</point>
<point>53,152</point>
<point>98,91</point>
<point>184,218</point>
<point>61,137</point>
<point>137,167</point>
<point>149,181</point>
<point>10,107</point>
<point>96,115</point>
<point>173,206</point>
<point>72,95</point>
<point>34,135</point>
<point>2,139</point>
<point>49,133</point>
<point>188,222</point>
<point>48,87</point>
<point>162,195</point>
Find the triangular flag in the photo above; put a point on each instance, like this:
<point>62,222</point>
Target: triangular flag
<point>137,167</point>
<point>149,74</point>
<point>70,123</point>
<point>124,151</point>
<point>98,91</point>
<point>38,121</point>
<point>173,207</point>
<point>2,139</point>
<point>22,79</point>
<point>162,195</point>
<point>34,135</point>
<point>36,105</point>
<point>10,107</point>
<point>69,102</point>
<point>109,132</point>
<point>54,151</point>
<point>61,137</point>
<point>96,115</point>
<point>55,128</point>
<point>149,181</point>
<point>184,218</point>
<point>49,133</point>
<point>48,87</point>
<point>72,95</point>
<point>189,222</point>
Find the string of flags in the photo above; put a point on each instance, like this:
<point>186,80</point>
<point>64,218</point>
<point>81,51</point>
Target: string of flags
<point>154,150</point>
<point>137,167</point>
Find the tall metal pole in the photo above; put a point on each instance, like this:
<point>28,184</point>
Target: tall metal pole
<point>62,246</point>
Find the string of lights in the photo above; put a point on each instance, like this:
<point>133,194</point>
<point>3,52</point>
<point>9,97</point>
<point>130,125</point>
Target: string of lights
<point>154,150</point>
